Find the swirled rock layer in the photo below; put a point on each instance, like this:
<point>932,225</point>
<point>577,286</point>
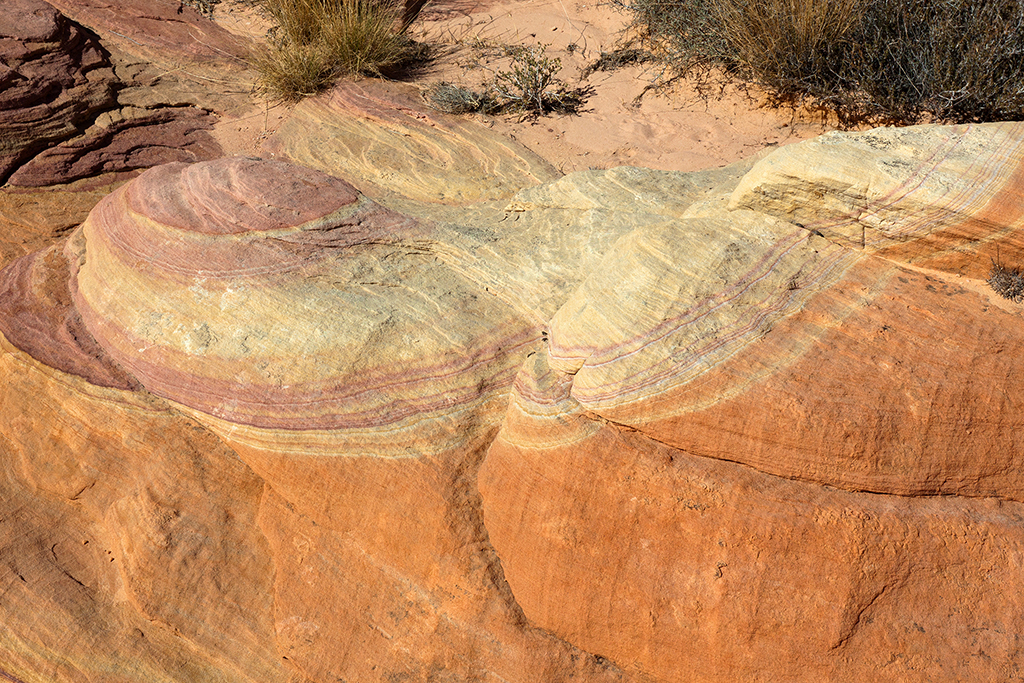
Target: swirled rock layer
<point>356,360</point>
<point>721,391</point>
<point>949,198</point>
<point>384,140</point>
<point>617,426</point>
<point>275,297</point>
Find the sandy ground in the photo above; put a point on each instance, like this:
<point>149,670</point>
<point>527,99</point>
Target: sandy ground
<point>674,130</point>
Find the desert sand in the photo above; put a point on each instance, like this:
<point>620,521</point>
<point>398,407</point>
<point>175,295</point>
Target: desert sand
<point>673,129</point>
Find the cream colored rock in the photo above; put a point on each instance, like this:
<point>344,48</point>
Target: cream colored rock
<point>947,198</point>
<point>383,139</point>
<point>752,450</point>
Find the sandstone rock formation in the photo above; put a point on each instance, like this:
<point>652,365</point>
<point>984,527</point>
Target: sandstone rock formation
<point>55,77</point>
<point>320,417</point>
<point>747,431</point>
<point>80,112</point>
<point>387,142</point>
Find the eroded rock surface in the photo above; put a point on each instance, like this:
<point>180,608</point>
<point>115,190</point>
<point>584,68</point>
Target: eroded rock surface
<point>268,423</point>
<point>754,448</point>
<point>54,77</point>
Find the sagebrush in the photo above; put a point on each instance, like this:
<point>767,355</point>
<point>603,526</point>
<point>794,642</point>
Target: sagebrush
<point>898,60</point>
<point>1007,282</point>
<point>529,85</point>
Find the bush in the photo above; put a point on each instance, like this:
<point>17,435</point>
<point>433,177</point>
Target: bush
<point>956,60</point>
<point>530,85</point>
<point>1007,282</point>
<point>314,42</point>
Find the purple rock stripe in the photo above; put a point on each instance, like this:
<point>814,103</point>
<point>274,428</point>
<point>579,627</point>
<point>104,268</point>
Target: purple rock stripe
<point>365,399</point>
<point>37,316</point>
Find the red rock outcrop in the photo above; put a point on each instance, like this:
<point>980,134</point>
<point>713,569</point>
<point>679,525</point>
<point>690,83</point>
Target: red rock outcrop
<point>158,31</point>
<point>54,78</point>
<point>754,450</point>
<point>162,136</point>
<point>625,426</point>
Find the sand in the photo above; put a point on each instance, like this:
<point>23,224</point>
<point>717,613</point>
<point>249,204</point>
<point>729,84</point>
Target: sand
<point>673,129</point>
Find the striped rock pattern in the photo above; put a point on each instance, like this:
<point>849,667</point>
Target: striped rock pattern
<point>382,139</point>
<point>656,491</point>
<point>262,295</point>
<point>616,426</point>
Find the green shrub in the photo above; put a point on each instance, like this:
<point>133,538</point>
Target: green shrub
<point>956,60</point>
<point>314,42</point>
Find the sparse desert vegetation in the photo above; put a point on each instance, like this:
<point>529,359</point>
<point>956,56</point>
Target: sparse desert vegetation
<point>529,85</point>
<point>312,43</point>
<point>888,60</point>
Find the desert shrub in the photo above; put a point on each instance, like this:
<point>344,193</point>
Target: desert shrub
<point>957,60</point>
<point>1007,282</point>
<point>531,79</point>
<point>530,85</point>
<point>314,42</point>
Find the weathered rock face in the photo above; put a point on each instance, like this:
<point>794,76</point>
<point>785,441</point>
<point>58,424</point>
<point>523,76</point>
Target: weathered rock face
<point>54,77</point>
<point>117,149</point>
<point>760,423</point>
<point>754,449</point>
<point>948,199</point>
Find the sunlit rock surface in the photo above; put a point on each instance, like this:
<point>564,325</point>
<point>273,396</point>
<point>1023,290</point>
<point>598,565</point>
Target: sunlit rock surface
<point>385,141</point>
<point>756,449</point>
<point>268,423</point>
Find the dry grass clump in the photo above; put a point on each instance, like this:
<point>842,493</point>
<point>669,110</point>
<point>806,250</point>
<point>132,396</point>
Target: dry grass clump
<point>314,42</point>
<point>896,60</point>
<point>457,99</point>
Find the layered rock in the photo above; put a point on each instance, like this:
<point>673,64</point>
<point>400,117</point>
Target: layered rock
<point>333,345</point>
<point>386,142</point>
<point>76,118</point>
<point>621,425</point>
<point>55,77</point>
<point>946,198</point>
<point>751,408</point>
<point>115,150</point>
